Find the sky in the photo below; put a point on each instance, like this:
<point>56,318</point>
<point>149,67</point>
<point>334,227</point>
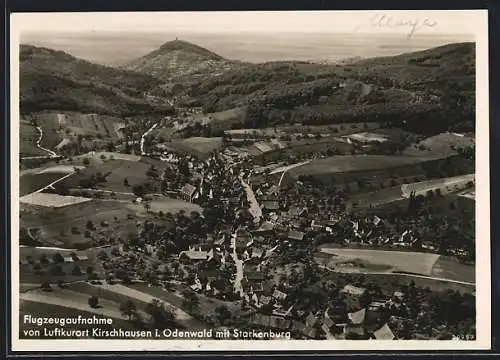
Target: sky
<point>443,22</point>
<point>117,38</point>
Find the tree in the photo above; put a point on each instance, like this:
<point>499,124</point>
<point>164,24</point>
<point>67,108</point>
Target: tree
<point>86,161</point>
<point>161,317</point>
<point>222,314</point>
<point>129,309</point>
<point>90,225</point>
<point>125,182</point>
<point>58,258</point>
<point>46,286</point>
<point>93,302</point>
<point>103,255</point>
<point>76,271</point>
<point>89,271</point>
<point>138,190</point>
<point>190,300</point>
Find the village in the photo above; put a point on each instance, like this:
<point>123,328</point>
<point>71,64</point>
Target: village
<point>254,244</point>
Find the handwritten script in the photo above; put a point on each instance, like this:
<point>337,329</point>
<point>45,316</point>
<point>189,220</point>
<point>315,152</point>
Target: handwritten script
<point>391,22</point>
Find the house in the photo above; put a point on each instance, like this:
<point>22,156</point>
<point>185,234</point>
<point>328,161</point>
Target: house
<point>273,190</point>
<point>187,192</point>
<point>296,212</point>
<point>316,226</point>
<point>353,294</point>
<point>358,317</point>
<point>265,300</point>
<point>296,235</point>
<point>352,331</point>
<point>194,254</point>
<point>68,259</point>
<point>398,295</point>
<point>303,329</point>
<point>254,276</point>
<point>81,258</point>
<point>271,205</point>
<point>274,322</point>
<point>384,333</point>
<point>279,295</point>
<point>265,229</point>
<point>328,322</point>
<point>311,320</point>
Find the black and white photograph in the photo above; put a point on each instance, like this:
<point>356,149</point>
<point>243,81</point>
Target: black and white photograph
<point>250,180</point>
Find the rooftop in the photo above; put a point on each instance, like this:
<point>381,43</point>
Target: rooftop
<point>384,333</point>
<point>357,317</point>
<point>188,189</point>
<point>353,290</point>
<point>296,235</point>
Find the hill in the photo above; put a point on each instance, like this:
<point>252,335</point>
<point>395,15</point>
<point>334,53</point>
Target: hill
<point>428,91</point>
<point>55,80</point>
<point>179,59</point>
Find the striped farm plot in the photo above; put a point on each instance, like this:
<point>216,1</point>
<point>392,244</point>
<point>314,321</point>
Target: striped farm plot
<point>51,200</point>
<point>63,169</point>
<point>446,185</point>
<point>395,261</point>
<point>125,291</point>
<point>73,299</point>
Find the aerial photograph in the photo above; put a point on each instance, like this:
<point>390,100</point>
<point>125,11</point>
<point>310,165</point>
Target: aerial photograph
<point>220,177</point>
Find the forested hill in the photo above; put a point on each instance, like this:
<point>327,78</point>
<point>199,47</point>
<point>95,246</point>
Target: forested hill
<point>179,59</point>
<point>426,91</point>
<point>55,80</point>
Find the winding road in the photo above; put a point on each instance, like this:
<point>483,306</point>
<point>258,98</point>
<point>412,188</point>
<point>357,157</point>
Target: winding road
<point>143,137</point>
<point>239,267</point>
<point>50,152</point>
<point>255,209</point>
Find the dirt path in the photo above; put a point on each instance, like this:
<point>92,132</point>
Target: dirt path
<point>50,152</point>
<point>144,136</point>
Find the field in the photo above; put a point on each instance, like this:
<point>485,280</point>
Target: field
<point>450,268</point>
<point>397,261</point>
<point>324,130</point>
<point>31,182</point>
<point>368,137</point>
<point>74,300</point>
<point>40,272</point>
<point>394,282</point>
<point>351,163</point>
<point>115,171</point>
<point>305,147</point>
<point>382,261</point>
<point>51,200</point>
<point>66,226</point>
<point>70,124</point>
<point>400,192</point>
<point>165,205</point>
<point>446,185</point>
<point>199,146</point>
<point>376,198</point>
<point>207,305</point>
<point>225,119</point>
<point>443,145</point>
<point>41,310</point>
